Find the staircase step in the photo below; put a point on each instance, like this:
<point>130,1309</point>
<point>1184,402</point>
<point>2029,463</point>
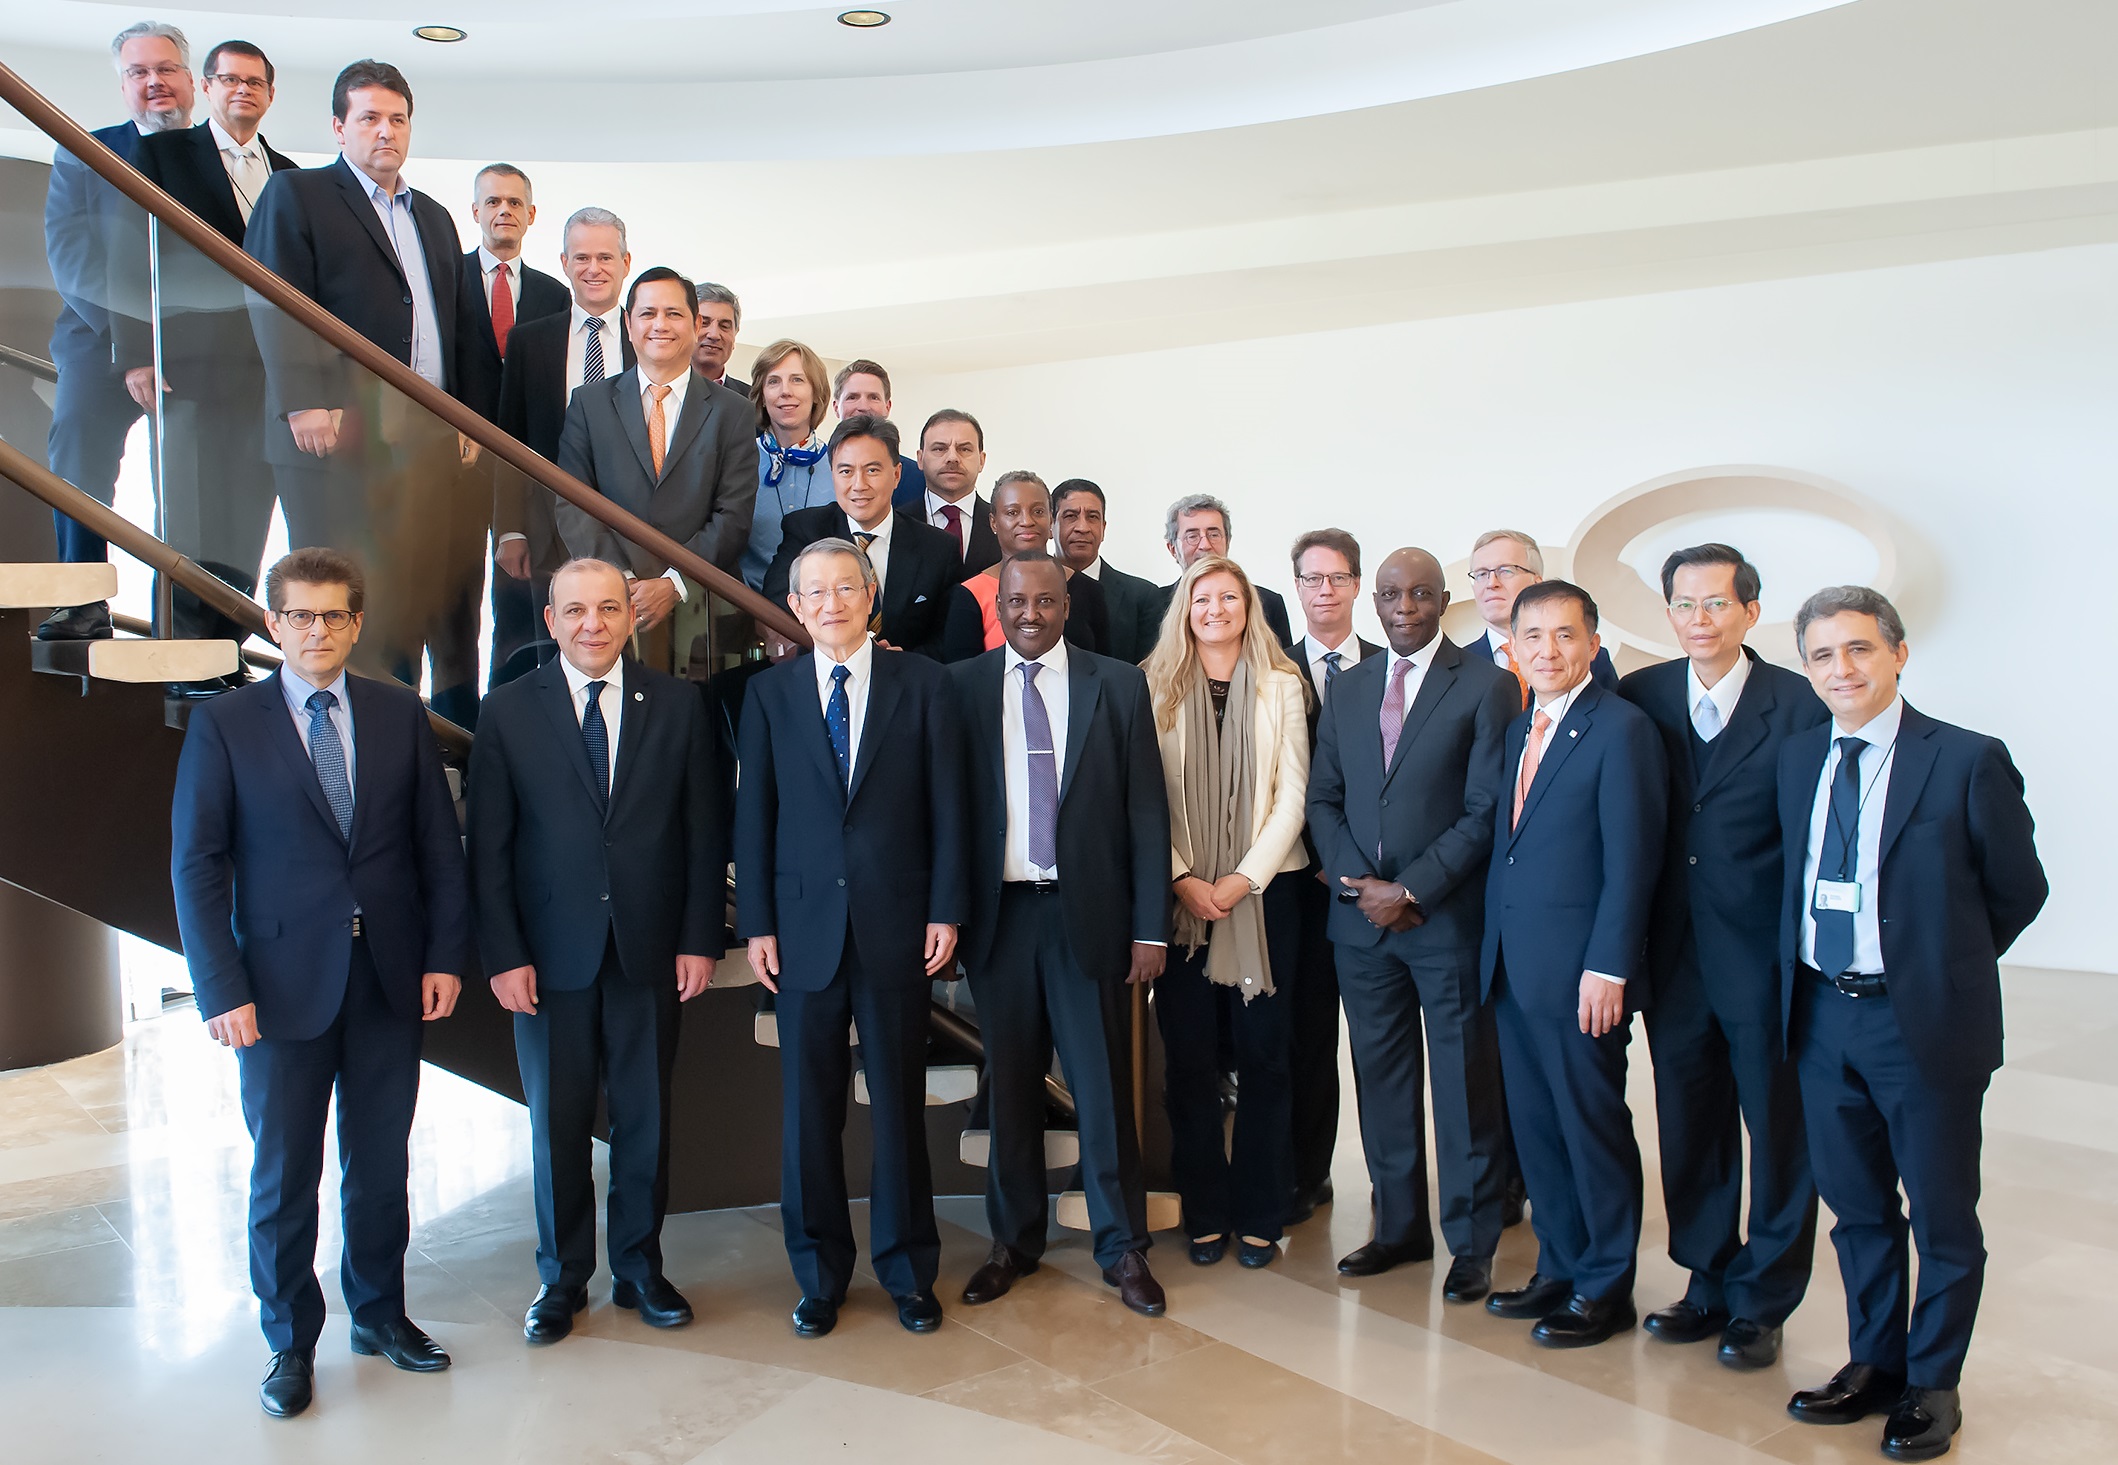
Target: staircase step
<point>47,586</point>
<point>766,1030</point>
<point>947,1083</point>
<point>734,969</point>
<point>137,659</point>
<point>1062,1148</point>
<point>1164,1211</point>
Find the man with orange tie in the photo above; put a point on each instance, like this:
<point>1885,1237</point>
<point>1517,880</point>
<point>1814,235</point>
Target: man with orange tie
<point>1504,563</point>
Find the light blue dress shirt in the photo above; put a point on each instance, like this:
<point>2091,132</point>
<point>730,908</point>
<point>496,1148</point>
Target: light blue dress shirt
<point>297,693</point>
<point>398,223</point>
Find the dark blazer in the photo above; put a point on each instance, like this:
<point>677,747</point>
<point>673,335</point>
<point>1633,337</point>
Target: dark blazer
<point>187,166</point>
<point>1113,811</point>
<point>266,889</point>
<point>554,876</point>
<point>1570,888</point>
<point>1430,813</point>
<point>83,215</point>
<point>317,230</point>
<point>1270,603</point>
<point>1298,649</point>
<point>1960,881</point>
<point>479,355</point>
<point>917,593</point>
<point>1602,671</point>
<point>533,397</point>
<point>883,860</point>
<point>983,547</point>
<point>709,472</point>
<point>1721,884</point>
<point>1087,614</point>
<point>1136,608</point>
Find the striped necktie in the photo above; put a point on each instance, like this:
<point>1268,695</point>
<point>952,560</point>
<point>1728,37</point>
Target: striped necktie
<point>592,368</point>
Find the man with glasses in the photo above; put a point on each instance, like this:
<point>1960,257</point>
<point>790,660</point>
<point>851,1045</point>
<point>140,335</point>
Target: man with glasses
<point>1199,524</point>
<point>1504,563</point>
<point>1712,994</point>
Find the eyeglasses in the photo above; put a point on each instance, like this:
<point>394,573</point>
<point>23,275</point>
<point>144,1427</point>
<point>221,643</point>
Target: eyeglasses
<point>1340,580</point>
<point>236,83</point>
<point>840,593</point>
<point>301,620</point>
<point>1502,573</point>
<point>167,71</point>
<point>1718,606</point>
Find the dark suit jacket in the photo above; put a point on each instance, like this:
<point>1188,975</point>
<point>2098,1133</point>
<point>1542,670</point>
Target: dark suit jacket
<point>1719,898</point>
<point>479,355</point>
<point>533,397</point>
<point>1113,811</point>
<point>266,889</point>
<point>1960,881</point>
<point>1430,813</point>
<point>555,877</point>
<point>1269,602</point>
<point>1570,888</point>
<point>816,862</point>
<point>1602,671</point>
<point>317,230</point>
<point>981,549</point>
<point>1136,608</point>
<point>83,215</point>
<point>917,593</point>
<point>1298,649</point>
<point>187,166</point>
<point>709,472</point>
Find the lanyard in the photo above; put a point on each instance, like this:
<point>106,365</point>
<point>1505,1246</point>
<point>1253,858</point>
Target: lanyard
<point>1848,838</point>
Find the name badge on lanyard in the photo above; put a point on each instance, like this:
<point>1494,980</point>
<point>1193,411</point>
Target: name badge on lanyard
<point>1838,895</point>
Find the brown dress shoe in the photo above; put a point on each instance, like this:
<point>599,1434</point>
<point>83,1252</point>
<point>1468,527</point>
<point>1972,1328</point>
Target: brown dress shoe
<point>1137,1287</point>
<point>992,1281</point>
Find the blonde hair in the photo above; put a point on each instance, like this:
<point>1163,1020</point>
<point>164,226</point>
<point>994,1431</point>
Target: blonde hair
<point>1173,666</point>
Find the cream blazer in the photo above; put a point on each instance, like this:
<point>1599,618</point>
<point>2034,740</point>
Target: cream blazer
<point>1279,800</point>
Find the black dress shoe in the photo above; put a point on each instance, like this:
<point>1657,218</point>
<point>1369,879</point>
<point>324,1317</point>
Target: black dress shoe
<point>1254,1256</point>
<point>1377,1257</point>
<point>1206,1253</point>
<point>1745,1344</point>
<point>551,1315</point>
<point>289,1384</point>
<point>1855,1392</point>
<point>1533,1299</point>
<point>1514,1204</point>
<point>1922,1424</point>
<point>1685,1322</point>
<point>1137,1287</point>
<point>1470,1278</point>
<point>992,1281</point>
<point>89,622</point>
<point>659,1304</point>
<point>1584,1322</point>
<point>814,1317</point>
<point>920,1312</point>
<point>403,1344</point>
<point>1308,1201</point>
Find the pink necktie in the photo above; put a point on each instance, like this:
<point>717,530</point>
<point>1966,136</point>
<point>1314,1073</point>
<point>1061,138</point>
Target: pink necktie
<point>1394,711</point>
<point>1532,752</point>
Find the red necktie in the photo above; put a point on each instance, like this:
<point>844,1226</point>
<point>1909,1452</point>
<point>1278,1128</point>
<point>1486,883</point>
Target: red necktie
<point>955,517</point>
<point>503,309</point>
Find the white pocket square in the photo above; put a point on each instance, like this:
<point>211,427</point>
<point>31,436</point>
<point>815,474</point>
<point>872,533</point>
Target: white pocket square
<point>919,600</point>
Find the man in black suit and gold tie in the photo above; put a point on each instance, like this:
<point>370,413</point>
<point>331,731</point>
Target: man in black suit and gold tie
<point>1069,909</point>
<point>599,861</point>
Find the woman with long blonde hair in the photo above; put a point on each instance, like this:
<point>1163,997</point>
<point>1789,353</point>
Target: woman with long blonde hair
<point>1231,718</point>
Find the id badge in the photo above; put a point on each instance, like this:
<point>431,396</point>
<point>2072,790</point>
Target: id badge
<point>1838,895</point>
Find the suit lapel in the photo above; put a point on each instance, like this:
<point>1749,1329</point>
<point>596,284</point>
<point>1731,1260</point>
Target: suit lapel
<point>899,583</point>
<point>988,686</point>
<point>1083,687</point>
<point>623,393</point>
<point>1567,736</point>
<point>558,703</point>
<point>472,279</point>
<point>1746,729</point>
<point>698,406</point>
<point>635,705</point>
<point>884,693</point>
<point>1441,676</point>
<point>1360,716</point>
<point>1913,760</point>
<point>367,732</point>
<point>206,158</point>
<point>363,210</point>
<point>280,732</point>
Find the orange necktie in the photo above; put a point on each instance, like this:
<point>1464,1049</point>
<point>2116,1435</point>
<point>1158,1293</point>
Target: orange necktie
<point>657,426</point>
<point>1532,752</point>
<point>1520,680</point>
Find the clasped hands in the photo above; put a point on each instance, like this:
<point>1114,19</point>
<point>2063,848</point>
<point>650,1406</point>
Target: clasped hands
<point>1215,900</point>
<point>1384,902</point>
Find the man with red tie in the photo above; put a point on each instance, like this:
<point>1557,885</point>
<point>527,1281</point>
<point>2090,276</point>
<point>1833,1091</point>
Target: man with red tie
<point>951,456</point>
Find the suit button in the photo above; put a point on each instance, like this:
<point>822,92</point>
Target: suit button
<point>1695,808</point>
<point>408,300</point>
<point>1386,803</point>
<point>1693,859</point>
<point>842,883</point>
<point>604,896</point>
<point>1511,859</point>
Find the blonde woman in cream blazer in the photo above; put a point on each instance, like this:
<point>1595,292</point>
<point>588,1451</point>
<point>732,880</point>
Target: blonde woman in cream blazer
<point>1231,717</point>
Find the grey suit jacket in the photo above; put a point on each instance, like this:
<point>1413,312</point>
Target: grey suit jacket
<point>707,485</point>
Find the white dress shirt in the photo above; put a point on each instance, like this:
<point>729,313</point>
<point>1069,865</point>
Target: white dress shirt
<point>1093,569</point>
<point>862,666</point>
<point>402,230</point>
<point>577,345</point>
<point>1724,695</point>
<point>878,550</point>
<point>612,702</point>
<point>247,168</point>
<point>1556,710</point>
<point>1495,640</point>
<point>1349,652</point>
<point>298,692</point>
<point>490,264</point>
<point>672,409</point>
<point>1014,737</point>
<point>1419,661</point>
<point>967,505</point>
<point>1880,734</point>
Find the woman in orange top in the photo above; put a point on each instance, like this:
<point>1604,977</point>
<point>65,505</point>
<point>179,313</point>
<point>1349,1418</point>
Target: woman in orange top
<point>1022,520</point>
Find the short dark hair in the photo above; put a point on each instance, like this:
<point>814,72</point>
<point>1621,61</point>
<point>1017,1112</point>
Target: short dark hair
<point>1039,556</point>
<point>859,366</point>
<point>1748,587</point>
<point>953,414</point>
<point>365,74</point>
<point>241,48</point>
<point>867,425</point>
<point>505,170</point>
<point>1835,600</point>
<point>1554,590</point>
<point>1077,485</point>
<point>315,565</point>
<point>655,276</point>
<point>1332,539</point>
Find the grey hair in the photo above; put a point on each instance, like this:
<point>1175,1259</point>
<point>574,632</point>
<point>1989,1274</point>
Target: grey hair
<point>831,546</point>
<point>710,293</point>
<point>1530,551</point>
<point>574,566</point>
<point>1848,599</point>
<point>142,30</point>
<point>594,218</point>
<point>1193,503</point>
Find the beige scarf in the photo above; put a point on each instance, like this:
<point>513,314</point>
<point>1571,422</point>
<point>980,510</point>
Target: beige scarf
<point>1212,831</point>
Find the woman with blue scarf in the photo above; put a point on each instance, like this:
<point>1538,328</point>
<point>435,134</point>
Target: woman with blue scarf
<point>788,386</point>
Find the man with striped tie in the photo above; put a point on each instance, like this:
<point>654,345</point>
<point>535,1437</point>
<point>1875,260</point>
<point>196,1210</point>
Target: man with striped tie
<point>320,891</point>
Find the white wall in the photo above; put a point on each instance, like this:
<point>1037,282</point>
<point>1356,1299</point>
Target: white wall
<point>1977,401</point>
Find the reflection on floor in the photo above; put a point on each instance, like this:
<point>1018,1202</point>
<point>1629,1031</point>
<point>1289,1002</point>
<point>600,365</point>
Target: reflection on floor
<point>127,1331</point>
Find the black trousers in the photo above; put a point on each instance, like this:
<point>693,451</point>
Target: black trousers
<point>1033,996</point>
<point>816,1076</point>
<point>1245,1185</point>
<point>1387,989</point>
<point>1874,1123</point>
<point>617,1037</point>
<point>1714,1075</point>
<point>370,1057</point>
<point>1316,1002</point>
<point>91,415</point>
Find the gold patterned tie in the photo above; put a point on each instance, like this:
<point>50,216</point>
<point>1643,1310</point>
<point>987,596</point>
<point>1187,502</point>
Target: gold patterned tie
<point>657,426</point>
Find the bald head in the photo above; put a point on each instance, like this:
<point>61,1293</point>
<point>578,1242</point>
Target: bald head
<point>1409,599</point>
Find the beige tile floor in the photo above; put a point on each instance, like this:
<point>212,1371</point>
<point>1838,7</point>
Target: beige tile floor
<point>127,1331</point>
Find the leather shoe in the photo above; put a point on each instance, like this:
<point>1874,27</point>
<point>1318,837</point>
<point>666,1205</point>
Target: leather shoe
<point>1257,1256</point>
<point>1745,1344</point>
<point>551,1315</point>
<point>814,1317</point>
<point>1855,1392</point>
<point>1137,1287</point>
<point>1585,1322</point>
<point>1470,1278</point>
<point>992,1281</point>
<point>89,622</point>
<point>1377,1257</point>
<point>289,1384</point>
<point>659,1304</point>
<point>1533,1299</point>
<point>1307,1202</point>
<point>1206,1253</point>
<point>920,1312</point>
<point>1922,1424</point>
<point>403,1344</point>
<point>1685,1322</point>
<point>1514,1204</point>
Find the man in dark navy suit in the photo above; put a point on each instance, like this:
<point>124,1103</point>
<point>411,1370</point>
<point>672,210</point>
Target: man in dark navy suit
<point>320,893</point>
<point>1910,868</point>
<point>1578,829</point>
<point>850,842</point>
<point>1720,1059</point>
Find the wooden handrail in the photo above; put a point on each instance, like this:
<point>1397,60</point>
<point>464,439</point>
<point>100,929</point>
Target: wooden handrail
<point>208,241</point>
<point>36,366</point>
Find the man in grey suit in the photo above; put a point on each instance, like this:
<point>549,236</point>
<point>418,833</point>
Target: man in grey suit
<point>1079,523</point>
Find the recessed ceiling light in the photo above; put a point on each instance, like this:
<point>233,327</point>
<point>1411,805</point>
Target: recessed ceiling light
<point>439,32</point>
<point>864,19</point>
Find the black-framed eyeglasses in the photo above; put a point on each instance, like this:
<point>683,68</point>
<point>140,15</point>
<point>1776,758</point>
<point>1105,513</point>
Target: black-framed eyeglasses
<point>1499,572</point>
<point>1340,580</point>
<point>301,620</point>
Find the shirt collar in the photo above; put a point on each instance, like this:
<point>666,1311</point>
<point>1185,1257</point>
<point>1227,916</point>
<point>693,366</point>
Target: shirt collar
<point>676,388</point>
<point>1351,644</point>
<point>297,690</point>
<point>858,664</point>
<point>1495,639</point>
<point>370,187</point>
<point>1725,693</point>
<point>1879,731</point>
<point>1093,569</point>
<point>1559,706</point>
<point>880,531</point>
<point>935,502</point>
<point>1420,659</point>
<point>489,261</point>
<point>223,142</point>
<point>611,323</point>
<point>577,680</point>
<point>1053,661</point>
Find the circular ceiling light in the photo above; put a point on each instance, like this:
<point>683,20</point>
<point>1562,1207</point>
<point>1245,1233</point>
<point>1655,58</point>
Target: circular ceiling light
<point>864,19</point>
<point>439,32</point>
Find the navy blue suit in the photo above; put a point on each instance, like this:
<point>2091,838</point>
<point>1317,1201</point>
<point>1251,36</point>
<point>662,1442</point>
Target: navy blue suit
<point>266,896</point>
<point>1569,891</point>
<point>848,879</point>
<point>1894,1086</point>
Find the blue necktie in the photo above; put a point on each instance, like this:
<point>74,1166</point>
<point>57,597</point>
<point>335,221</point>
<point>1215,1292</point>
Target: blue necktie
<point>329,756</point>
<point>596,734</point>
<point>838,721</point>
<point>1840,858</point>
<point>1044,772</point>
<point>1331,667</point>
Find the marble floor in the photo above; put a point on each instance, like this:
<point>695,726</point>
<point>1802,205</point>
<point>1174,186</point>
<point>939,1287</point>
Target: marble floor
<point>127,1331</point>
